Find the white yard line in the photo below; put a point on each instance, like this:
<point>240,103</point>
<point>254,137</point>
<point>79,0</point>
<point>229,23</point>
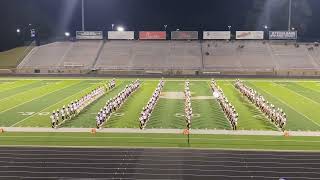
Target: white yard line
<point>32,89</point>
<point>261,114</point>
<point>38,97</point>
<point>51,105</point>
<point>297,93</point>
<point>290,106</point>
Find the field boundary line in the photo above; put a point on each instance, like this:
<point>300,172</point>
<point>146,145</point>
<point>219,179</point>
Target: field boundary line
<point>254,107</point>
<point>52,105</point>
<point>289,106</point>
<point>1,90</point>
<point>313,89</point>
<point>23,91</point>
<point>163,131</point>
<point>101,97</point>
<point>39,97</point>
<point>298,93</point>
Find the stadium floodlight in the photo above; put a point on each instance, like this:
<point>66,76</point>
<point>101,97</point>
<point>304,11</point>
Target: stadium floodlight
<point>18,30</point>
<point>120,28</point>
<point>67,34</point>
<point>266,27</point>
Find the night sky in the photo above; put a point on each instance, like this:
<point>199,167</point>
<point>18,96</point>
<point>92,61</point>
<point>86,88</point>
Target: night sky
<point>53,17</point>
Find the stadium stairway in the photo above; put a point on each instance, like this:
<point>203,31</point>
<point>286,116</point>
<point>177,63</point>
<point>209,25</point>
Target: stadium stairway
<point>98,54</point>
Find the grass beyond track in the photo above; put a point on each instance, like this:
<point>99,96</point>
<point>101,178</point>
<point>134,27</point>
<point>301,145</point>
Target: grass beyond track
<point>162,140</point>
<point>29,102</point>
<point>11,58</point>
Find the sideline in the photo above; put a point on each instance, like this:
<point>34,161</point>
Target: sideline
<point>163,131</point>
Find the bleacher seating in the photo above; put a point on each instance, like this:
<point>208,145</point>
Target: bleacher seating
<point>62,55</point>
<point>291,57</point>
<point>237,55</point>
<point>150,55</point>
<point>243,56</point>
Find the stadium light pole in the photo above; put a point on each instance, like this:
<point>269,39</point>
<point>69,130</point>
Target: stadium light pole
<point>290,12</point>
<point>82,14</point>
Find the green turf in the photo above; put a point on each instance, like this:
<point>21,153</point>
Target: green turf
<point>40,90</point>
<point>87,117</point>
<point>47,97</point>
<point>207,112</point>
<point>169,113</point>
<point>66,95</point>
<point>296,107</point>
<point>250,118</point>
<point>128,115</point>
<point>8,86</point>
<point>22,99</point>
<point>162,140</point>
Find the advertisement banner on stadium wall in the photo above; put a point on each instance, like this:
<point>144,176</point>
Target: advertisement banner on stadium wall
<point>125,35</point>
<point>283,35</point>
<point>249,34</point>
<point>184,35</point>
<point>216,35</point>
<point>156,35</point>
<point>89,35</point>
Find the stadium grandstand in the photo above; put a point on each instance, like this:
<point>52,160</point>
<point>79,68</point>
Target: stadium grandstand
<point>189,57</point>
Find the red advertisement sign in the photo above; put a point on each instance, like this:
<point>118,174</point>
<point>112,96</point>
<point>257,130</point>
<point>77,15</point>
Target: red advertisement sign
<point>152,35</point>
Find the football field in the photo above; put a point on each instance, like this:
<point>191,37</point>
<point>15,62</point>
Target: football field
<point>29,103</point>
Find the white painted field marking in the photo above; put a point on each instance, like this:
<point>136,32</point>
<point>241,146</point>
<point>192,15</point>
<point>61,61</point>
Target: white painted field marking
<point>300,95</point>
<point>119,114</point>
<point>47,113</point>
<point>32,89</point>
<point>26,113</point>
<point>202,97</point>
<point>290,107</point>
<point>26,101</point>
<point>172,95</point>
<point>178,115</point>
<point>34,113</point>
<point>258,116</point>
<point>37,98</point>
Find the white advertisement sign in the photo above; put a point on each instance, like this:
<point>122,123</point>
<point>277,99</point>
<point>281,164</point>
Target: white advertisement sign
<point>250,34</point>
<point>89,35</point>
<point>126,35</point>
<point>216,35</point>
<point>289,35</point>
